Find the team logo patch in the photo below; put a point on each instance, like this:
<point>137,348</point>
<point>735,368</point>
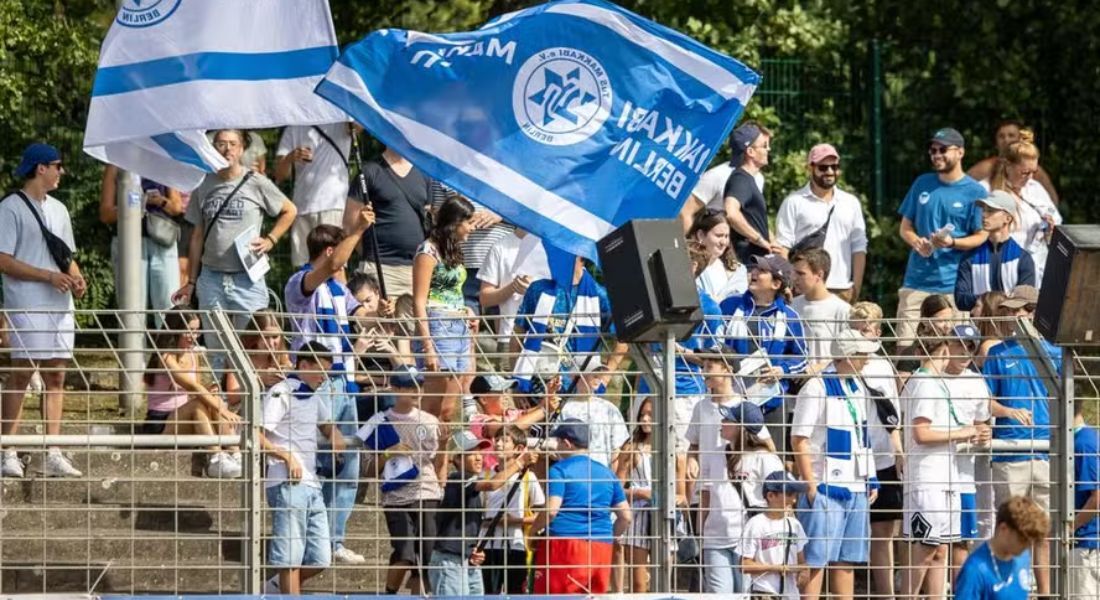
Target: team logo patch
<point>924,197</point>
<point>145,13</point>
<point>919,526</point>
<point>561,96</point>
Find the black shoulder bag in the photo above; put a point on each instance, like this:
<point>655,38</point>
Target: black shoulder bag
<point>328,139</point>
<point>815,239</point>
<point>61,253</point>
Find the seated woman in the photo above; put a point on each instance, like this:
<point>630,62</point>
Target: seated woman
<point>265,343</point>
<point>178,403</point>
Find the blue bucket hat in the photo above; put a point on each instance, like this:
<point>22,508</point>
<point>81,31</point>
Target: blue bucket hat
<point>36,154</point>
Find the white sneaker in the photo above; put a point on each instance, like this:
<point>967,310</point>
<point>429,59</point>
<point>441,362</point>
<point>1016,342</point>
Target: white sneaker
<point>346,556</point>
<point>56,465</point>
<point>12,466</point>
<point>222,467</point>
<point>271,586</point>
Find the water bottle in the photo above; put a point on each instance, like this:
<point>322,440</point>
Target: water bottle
<point>944,233</point>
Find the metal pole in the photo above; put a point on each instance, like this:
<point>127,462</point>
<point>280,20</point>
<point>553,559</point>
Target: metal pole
<point>1064,480</point>
<point>131,297</point>
<point>372,233</point>
<point>253,497</point>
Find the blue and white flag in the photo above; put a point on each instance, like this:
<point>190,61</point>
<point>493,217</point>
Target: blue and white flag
<point>170,69</point>
<point>568,119</point>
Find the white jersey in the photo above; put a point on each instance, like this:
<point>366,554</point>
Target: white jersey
<point>930,466</point>
<point>970,396</point>
<point>765,540</point>
<point>879,375</point>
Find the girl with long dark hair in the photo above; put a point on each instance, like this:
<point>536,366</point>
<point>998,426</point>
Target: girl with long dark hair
<point>722,276</point>
<point>443,320</point>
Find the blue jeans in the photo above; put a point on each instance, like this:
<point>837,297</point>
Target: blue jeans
<point>452,575</point>
<point>232,292</point>
<point>299,527</point>
<point>340,489</point>
<point>721,571</point>
<point>160,279</point>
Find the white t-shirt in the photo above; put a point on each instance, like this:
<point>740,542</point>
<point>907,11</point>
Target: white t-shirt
<point>764,542</point>
<point>530,495</point>
<point>879,375</point>
<point>21,238</point>
<point>930,466</point>
<point>705,432</point>
<point>321,184</point>
<point>970,396</point>
<point>803,213</point>
<point>720,284</point>
<point>821,321</point>
<point>816,414</point>
<point>291,414</point>
<point>754,468</point>
<point>712,185</point>
<point>725,517</point>
<point>607,430</point>
<point>499,270</point>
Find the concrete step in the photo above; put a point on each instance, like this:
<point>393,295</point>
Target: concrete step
<point>149,577</point>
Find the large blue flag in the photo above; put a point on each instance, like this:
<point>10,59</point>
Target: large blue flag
<point>169,69</point>
<point>568,119</point>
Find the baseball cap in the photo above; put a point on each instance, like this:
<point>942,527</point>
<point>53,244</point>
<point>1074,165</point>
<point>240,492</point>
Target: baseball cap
<point>743,137</point>
<point>776,265</point>
<point>820,152</point>
<point>574,430</point>
<point>782,482</point>
<point>466,441</point>
<point>34,155</point>
<point>948,137</point>
<point>968,334</point>
<point>406,376</point>
<point>745,414</point>
<point>1021,296</point>
<point>1000,200</point>
<point>851,342</point>
<point>491,384</point>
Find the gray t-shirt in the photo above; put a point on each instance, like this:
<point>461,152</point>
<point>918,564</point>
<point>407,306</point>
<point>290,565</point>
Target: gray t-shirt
<point>257,197</point>
<point>21,237</point>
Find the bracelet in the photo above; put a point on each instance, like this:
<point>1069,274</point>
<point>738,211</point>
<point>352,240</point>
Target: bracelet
<point>271,239</point>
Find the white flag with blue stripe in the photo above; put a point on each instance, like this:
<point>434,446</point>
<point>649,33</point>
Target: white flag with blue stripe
<point>568,119</point>
<point>170,69</point>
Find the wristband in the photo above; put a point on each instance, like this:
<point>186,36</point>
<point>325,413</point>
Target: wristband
<point>271,239</point>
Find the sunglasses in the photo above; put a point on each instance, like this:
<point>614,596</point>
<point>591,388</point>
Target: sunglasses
<point>934,150</point>
<point>827,168</point>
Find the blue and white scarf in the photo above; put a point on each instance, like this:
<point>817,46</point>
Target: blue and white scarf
<point>329,323</point>
<point>981,276</point>
<point>569,345</point>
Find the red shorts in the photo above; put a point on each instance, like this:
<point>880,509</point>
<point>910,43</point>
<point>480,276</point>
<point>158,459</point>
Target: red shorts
<point>572,566</point>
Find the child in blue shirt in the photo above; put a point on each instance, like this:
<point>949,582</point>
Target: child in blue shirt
<point>1000,569</point>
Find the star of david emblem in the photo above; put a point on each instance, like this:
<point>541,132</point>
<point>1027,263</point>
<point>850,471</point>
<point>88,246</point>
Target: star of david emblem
<point>560,94</point>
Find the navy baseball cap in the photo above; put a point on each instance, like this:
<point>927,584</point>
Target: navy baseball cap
<point>36,154</point>
<point>782,482</point>
<point>948,137</point>
<point>742,138</point>
<point>406,376</point>
<point>574,430</point>
<point>776,265</point>
<point>746,414</point>
<point>491,384</point>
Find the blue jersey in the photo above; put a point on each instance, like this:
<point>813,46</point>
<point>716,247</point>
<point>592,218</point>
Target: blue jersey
<point>1014,381</point>
<point>929,205</point>
<point>1086,472</point>
<point>984,577</point>
<point>588,491</point>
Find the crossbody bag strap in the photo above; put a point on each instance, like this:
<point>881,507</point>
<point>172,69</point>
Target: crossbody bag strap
<point>37,217</point>
<point>221,209</point>
<point>786,553</point>
<point>404,194</point>
<point>332,143</point>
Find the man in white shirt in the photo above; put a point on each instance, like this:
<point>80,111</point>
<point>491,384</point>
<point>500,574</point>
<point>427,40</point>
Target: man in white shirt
<point>504,282</point>
<point>820,203</point>
<point>317,157</point>
<point>823,313</point>
<point>38,295</point>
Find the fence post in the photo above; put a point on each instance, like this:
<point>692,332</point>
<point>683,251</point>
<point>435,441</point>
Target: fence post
<point>252,498</point>
<point>131,301</point>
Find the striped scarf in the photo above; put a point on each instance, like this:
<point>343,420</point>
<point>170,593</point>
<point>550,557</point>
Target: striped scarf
<point>980,268</point>
<point>330,325</point>
<point>547,348</point>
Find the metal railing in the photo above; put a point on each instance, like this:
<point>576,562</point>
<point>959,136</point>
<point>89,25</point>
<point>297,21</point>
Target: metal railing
<point>143,516</point>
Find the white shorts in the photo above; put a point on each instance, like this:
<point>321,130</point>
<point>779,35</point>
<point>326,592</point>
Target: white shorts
<point>932,517</point>
<point>682,410</point>
<point>42,336</point>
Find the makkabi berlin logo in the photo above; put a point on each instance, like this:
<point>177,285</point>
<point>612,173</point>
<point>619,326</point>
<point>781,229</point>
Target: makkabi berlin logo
<point>144,13</point>
<point>561,96</point>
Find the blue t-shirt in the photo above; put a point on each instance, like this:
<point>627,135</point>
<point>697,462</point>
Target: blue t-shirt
<point>1014,382</point>
<point>986,578</point>
<point>1086,472</point>
<point>588,491</point>
<point>929,205</point>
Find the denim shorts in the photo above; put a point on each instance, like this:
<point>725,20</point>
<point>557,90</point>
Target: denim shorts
<point>836,530</point>
<point>451,336</point>
<point>299,527</point>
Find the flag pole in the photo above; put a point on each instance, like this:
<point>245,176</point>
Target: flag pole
<point>372,235</point>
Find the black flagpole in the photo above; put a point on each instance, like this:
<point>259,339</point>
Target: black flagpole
<point>373,236</point>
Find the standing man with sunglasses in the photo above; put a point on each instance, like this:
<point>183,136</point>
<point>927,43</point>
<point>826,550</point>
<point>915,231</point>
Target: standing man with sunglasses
<point>743,197</point>
<point>821,215</point>
<point>940,221</point>
<point>39,285</point>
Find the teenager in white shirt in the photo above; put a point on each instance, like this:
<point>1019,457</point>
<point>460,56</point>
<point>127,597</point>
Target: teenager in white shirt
<point>823,313</point>
<point>771,550</point>
<point>722,275</point>
<point>932,516</point>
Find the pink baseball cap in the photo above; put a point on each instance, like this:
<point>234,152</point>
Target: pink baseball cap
<point>822,151</point>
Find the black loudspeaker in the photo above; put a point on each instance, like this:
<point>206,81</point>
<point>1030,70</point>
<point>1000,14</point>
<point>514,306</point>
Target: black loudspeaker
<point>647,272</point>
<point>1069,301</point>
